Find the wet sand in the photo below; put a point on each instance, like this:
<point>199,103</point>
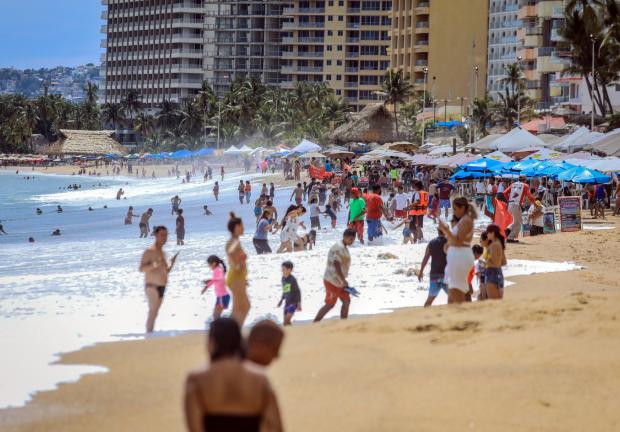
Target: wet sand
<point>544,359</point>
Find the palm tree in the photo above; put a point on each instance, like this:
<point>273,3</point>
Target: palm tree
<point>481,114</point>
<point>396,89</point>
<point>114,114</point>
<point>513,78</point>
<point>131,103</point>
<point>91,90</point>
<point>168,115</point>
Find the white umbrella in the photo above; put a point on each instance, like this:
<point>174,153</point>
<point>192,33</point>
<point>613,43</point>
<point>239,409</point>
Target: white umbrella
<point>306,146</point>
<point>232,150</point>
<point>516,140</point>
<point>499,156</point>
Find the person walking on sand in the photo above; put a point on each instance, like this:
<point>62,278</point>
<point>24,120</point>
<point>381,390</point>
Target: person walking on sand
<point>218,281</point>
<point>291,295</point>
<point>297,170</point>
<point>357,210</point>
<point>144,223</point>
<point>248,191</point>
<point>227,395</point>
<point>237,275</point>
<point>216,191</point>
<point>335,277</point>
<point>180,228</point>
<point>176,202</point>
<point>129,217</point>
<point>156,270</point>
<point>460,258</point>
<point>516,194</point>
<point>222,172</point>
<point>435,252</point>
<point>496,259</point>
<point>241,190</point>
<point>298,193</point>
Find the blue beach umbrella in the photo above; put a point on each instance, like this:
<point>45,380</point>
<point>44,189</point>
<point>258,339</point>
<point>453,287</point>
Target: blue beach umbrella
<point>481,165</point>
<point>203,152</point>
<point>588,176</point>
<point>180,154</point>
<point>526,163</point>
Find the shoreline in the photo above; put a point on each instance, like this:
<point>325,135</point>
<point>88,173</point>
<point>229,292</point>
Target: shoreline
<point>575,344</point>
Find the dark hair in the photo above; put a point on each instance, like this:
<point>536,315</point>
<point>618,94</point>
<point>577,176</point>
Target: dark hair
<point>180,211</point>
<point>497,232</point>
<point>214,259</point>
<point>484,236</point>
<point>159,228</point>
<point>477,249</point>
<point>150,210</point>
<point>269,203</point>
<point>233,222</point>
<point>376,188</point>
<point>349,233</point>
<point>225,335</point>
<point>130,208</point>
<point>313,200</point>
<point>288,265</point>
<point>469,209</point>
<point>419,185</point>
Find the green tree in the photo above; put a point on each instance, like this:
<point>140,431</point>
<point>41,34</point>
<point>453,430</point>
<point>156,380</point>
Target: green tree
<point>113,114</point>
<point>396,89</point>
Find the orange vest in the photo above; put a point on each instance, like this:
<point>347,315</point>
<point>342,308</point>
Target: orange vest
<point>420,208</point>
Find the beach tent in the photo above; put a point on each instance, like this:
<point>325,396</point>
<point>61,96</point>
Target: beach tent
<point>232,150</point>
<point>245,149</point>
<point>455,160</point>
<point>306,146</point>
<point>544,124</point>
<point>608,144</point>
<point>486,143</point>
<point>545,154</point>
<point>499,156</point>
<point>578,140</point>
<point>516,140</point>
<point>607,165</point>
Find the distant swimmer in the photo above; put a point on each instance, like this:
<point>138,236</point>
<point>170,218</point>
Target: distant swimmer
<point>120,194</point>
<point>207,211</point>
<point>91,209</point>
<point>156,270</point>
<point>56,232</point>
<point>144,223</point>
<point>30,239</point>
<point>176,202</point>
<point>216,191</point>
<point>130,216</point>
<point>180,225</point>
<point>2,231</point>
<point>59,209</point>
<point>39,211</point>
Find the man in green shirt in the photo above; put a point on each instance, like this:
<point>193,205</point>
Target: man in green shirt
<point>357,210</point>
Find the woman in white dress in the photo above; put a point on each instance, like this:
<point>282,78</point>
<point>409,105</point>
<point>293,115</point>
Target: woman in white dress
<point>460,258</point>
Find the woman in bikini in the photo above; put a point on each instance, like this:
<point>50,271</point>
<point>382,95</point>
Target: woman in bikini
<point>156,270</point>
<point>236,278</point>
<point>460,258</point>
<point>494,275</point>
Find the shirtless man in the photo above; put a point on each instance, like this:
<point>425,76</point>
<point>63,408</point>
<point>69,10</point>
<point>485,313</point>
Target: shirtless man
<point>176,202</point>
<point>180,225</point>
<point>144,223</point>
<point>228,395</point>
<point>216,191</point>
<point>156,270</point>
<point>298,193</point>
<point>120,194</point>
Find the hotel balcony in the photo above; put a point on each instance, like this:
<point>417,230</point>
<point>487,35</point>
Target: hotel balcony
<point>422,8</point>
<point>187,23</point>
<point>422,27</point>
<point>421,46</point>
<point>302,11</point>
<point>188,7</point>
<point>527,12</point>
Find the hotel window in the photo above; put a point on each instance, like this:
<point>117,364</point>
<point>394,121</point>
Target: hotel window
<point>338,77</point>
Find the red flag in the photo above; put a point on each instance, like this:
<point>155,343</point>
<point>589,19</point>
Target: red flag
<point>502,218</point>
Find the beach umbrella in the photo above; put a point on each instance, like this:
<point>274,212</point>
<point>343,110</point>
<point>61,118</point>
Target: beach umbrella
<point>306,146</point>
<point>607,165</point>
<point>499,156</point>
<point>588,176</point>
<point>180,154</point>
<point>545,154</point>
<point>466,175</point>
<point>448,124</point>
<point>480,165</point>
<point>203,152</point>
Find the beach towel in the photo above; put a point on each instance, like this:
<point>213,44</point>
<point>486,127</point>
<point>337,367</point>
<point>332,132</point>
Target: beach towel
<point>318,173</point>
<point>489,208</point>
<point>502,217</point>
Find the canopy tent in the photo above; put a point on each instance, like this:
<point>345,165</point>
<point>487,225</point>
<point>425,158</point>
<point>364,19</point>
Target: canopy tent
<point>579,155</point>
<point>544,124</point>
<point>232,150</point>
<point>499,156</point>
<point>545,154</point>
<point>584,176</point>
<point>455,160</point>
<point>315,155</point>
<point>486,143</point>
<point>608,144</point>
<point>549,139</point>
<point>516,140</point>
<point>444,149</point>
<point>481,165</point>
<point>421,159</point>
<point>578,140</point>
<point>246,150</point>
<point>400,146</point>
<point>607,165</point>
<point>306,146</point>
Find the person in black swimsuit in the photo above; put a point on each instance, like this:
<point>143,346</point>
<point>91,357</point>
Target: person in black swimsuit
<point>227,395</point>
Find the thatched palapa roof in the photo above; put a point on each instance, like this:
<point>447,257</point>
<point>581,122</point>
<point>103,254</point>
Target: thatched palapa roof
<point>85,142</point>
<point>375,123</point>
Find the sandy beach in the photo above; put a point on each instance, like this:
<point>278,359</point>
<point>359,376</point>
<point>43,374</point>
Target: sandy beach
<point>544,359</point>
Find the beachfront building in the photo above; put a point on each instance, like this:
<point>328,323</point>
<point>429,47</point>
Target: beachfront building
<point>247,40</point>
<point>504,24</point>
<point>342,43</point>
<point>442,44</point>
<point>84,143</point>
<point>541,60</point>
<point>154,47</point>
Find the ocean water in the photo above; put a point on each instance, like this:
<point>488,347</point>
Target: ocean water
<point>62,293</point>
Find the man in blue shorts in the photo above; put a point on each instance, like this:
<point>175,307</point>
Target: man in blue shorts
<point>435,250</point>
<point>445,191</point>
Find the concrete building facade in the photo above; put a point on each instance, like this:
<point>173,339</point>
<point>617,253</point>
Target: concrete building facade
<point>442,44</point>
<point>156,47</point>
<point>503,42</point>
